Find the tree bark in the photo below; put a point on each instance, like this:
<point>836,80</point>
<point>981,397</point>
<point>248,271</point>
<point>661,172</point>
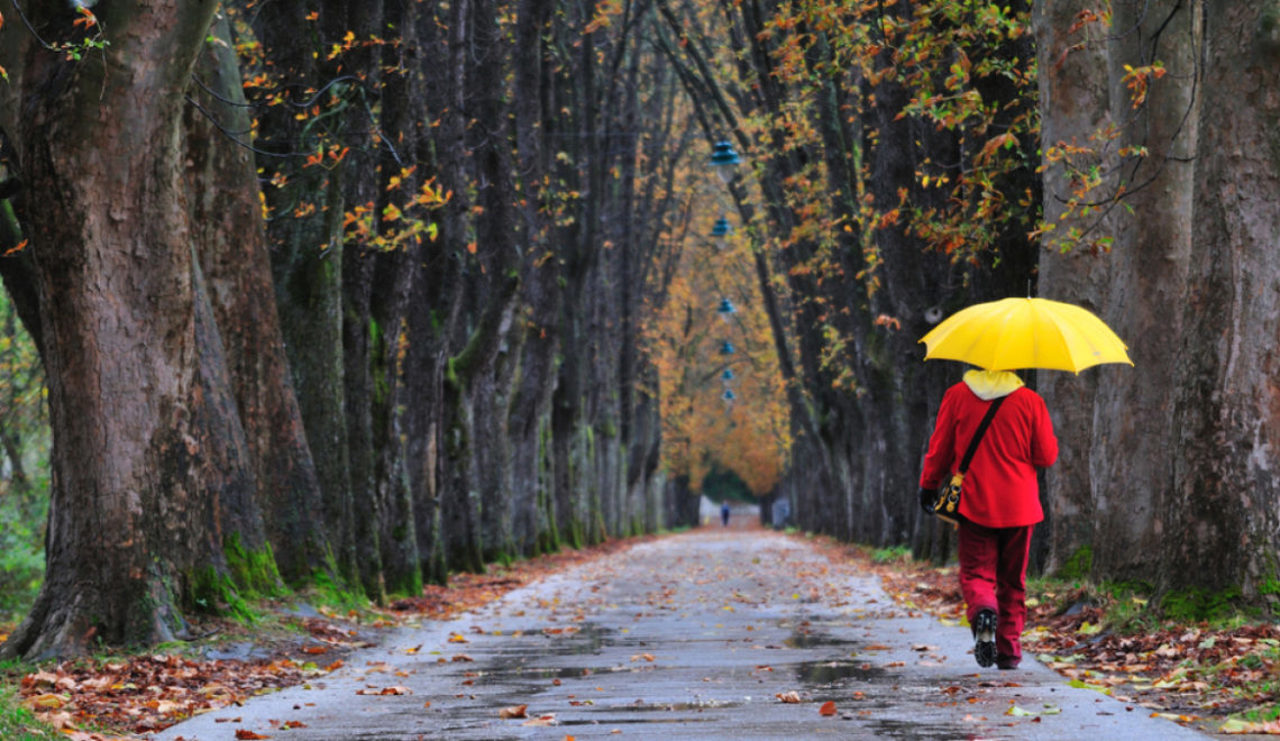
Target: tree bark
<point>1107,492</point>
<point>227,223</point>
<point>141,410</point>
<point>1075,100</point>
<point>1222,526</point>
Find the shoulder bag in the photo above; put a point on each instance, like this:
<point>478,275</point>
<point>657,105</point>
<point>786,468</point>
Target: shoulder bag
<point>947,505</point>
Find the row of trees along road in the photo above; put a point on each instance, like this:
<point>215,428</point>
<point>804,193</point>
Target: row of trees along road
<point>368,292</point>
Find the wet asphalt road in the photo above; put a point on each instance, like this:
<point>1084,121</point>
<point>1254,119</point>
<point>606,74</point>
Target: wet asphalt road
<point>694,636</point>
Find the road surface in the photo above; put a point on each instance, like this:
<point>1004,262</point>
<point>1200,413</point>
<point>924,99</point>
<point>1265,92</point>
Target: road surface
<point>717,633</point>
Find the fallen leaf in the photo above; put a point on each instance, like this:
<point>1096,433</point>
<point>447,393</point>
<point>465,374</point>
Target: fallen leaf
<point>828,708</point>
<point>515,711</point>
<point>543,720</point>
<point>47,701</point>
<point>791,697</point>
<point>246,735</point>
<point>1236,725</point>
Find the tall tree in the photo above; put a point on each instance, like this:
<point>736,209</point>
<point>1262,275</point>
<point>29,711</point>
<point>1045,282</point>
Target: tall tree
<point>1224,504</point>
<point>145,423</point>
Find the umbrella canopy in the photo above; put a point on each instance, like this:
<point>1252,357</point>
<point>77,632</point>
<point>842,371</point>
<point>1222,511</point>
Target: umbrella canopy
<point>1025,333</point>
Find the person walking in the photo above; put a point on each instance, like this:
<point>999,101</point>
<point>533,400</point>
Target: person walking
<point>724,513</point>
<point>1000,503</point>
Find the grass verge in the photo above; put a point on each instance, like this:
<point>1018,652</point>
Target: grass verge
<point>17,723</point>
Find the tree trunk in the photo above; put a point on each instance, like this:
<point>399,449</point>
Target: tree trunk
<point>1107,492</point>
<point>226,219</point>
<point>142,415</point>
<point>1075,101</point>
<point>1223,527</point>
<point>305,215</point>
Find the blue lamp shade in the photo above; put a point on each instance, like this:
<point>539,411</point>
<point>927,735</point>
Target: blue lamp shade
<point>724,155</point>
<point>721,228</point>
<point>726,306</point>
<point>727,375</point>
<point>727,348</point>
<point>728,395</point>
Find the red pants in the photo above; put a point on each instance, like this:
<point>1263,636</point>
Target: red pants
<point>993,576</point>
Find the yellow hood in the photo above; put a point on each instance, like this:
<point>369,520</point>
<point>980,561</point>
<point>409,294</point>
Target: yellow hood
<point>988,385</point>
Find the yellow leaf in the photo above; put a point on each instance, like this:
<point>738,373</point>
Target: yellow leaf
<point>48,701</point>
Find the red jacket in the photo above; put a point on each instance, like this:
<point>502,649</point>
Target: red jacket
<point>1000,489</point>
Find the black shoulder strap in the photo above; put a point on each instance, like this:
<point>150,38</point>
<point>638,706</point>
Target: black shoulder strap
<point>978,433</point>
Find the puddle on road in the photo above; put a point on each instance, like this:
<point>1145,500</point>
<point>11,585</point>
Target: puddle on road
<point>673,707</point>
<point>887,728</point>
<point>498,676</point>
<point>825,673</point>
<point>616,721</point>
<point>807,639</point>
<point>589,638</point>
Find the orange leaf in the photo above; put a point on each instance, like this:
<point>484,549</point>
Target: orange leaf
<point>828,708</point>
<point>515,711</point>
<point>244,735</point>
<point>315,649</point>
<point>790,698</point>
<point>18,247</point>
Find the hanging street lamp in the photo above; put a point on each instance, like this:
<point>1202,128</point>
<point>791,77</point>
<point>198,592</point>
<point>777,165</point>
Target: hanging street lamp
<point>720,232</point>
<point>724,158</point>
<point>726,309</point>
<point>727,348</point>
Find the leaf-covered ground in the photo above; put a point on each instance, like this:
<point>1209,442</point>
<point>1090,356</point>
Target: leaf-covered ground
<point>1223,679</point>
<point>124,696</point>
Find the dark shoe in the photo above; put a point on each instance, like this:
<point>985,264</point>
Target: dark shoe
<point>984,638</point>
<point>1007,662</point>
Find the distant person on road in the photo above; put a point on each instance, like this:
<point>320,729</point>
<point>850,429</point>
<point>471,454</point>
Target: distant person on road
<point>724,513</point>
<point>999,504</point>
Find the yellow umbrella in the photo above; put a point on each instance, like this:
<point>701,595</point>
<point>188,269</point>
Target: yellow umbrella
<point>1025,333</point>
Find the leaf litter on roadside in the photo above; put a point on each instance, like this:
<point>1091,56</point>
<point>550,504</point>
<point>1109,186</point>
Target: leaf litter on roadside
<point>148,693</point>
<point>1186,673</point>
